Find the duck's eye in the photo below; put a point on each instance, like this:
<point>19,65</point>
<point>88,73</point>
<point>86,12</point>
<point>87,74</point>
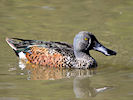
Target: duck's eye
<point>85,39</point>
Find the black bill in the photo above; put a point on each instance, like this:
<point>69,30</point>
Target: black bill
<point>99,47</point>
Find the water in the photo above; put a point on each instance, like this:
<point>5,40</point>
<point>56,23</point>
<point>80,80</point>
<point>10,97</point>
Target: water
<point>111,22</point>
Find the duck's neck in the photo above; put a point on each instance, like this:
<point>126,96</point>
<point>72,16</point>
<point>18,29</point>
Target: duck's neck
<point>80,54</point>
<point>83,56</point>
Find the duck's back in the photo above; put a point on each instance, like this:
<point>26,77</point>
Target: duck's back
<point>56,54</point>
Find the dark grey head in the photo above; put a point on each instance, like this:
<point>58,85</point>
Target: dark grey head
<point>85,41</point>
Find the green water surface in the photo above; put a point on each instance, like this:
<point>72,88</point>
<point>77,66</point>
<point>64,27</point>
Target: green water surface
<point>60,20</point>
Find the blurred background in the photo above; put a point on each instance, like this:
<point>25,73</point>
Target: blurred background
<point>111,21</point>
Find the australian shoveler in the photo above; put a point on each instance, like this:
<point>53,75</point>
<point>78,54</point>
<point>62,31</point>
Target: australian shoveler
<point>60,54</point>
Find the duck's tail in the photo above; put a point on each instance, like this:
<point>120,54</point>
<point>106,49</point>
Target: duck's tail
<point>11,43</point>
<point>16,44</point>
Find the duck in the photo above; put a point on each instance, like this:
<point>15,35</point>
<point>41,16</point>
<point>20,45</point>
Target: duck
<point>60,54</point>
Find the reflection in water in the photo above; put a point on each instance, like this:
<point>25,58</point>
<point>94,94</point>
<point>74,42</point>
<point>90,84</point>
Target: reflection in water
<point>81,84</point>
<point>83,89</point>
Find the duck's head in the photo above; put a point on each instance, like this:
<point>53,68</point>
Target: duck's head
<point>85,41</point>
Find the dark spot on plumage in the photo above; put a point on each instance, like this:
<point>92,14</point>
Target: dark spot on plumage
<point>32,57</point>
<point>37,59</point>
<point>37,52</point>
